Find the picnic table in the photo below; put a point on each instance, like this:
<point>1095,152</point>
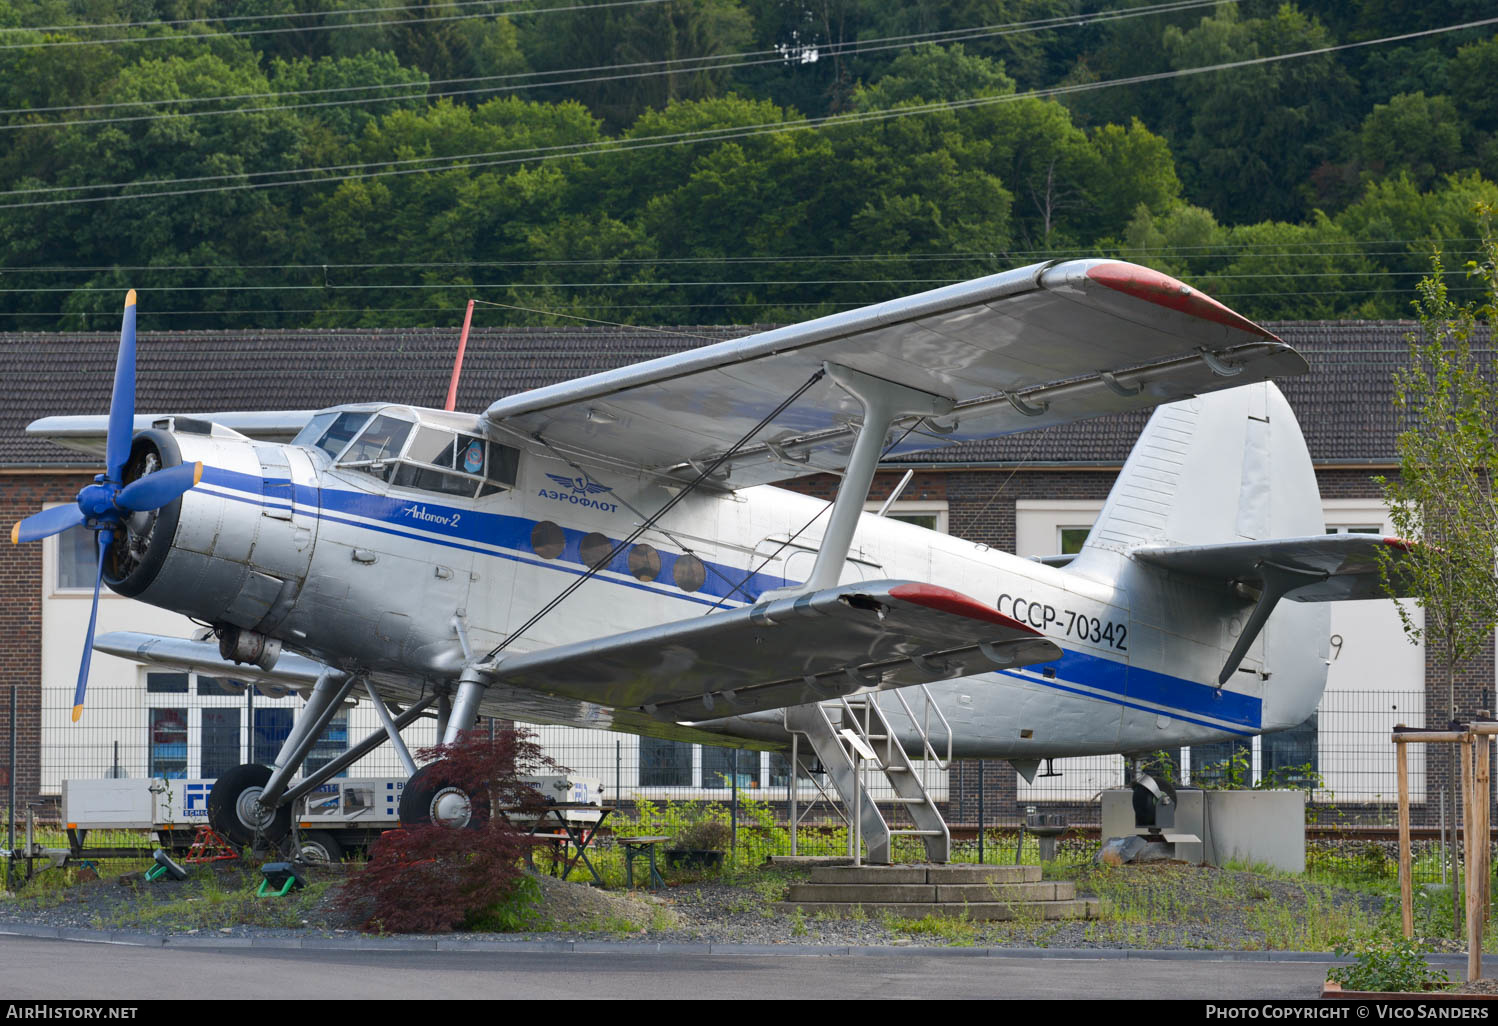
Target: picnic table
<point>566,834</point>
<point>642,847</point>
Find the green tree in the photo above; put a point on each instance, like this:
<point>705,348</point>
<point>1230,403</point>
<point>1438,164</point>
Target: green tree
<point>1255,133</point>
<point>1448,464</point>
<point>1418,134</point>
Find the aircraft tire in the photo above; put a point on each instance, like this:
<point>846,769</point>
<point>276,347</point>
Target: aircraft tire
<point>231,804</point>
<point>320,848</point>
<point>432,796</point>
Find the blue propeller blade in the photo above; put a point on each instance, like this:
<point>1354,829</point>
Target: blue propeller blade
<point>122,403</point>
<point>156,490</point>
<point>47,523</point>
<point>106,538</point>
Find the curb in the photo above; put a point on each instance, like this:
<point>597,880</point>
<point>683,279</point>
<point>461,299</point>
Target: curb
<point>451,944</point>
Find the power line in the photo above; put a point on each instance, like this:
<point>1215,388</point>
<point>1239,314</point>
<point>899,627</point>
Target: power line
<point>319,28</point>
<point>541,286</point>
<point>268,16</point>
<point>1238,251</point>
<point>506,157</point>
<point>534,80</point>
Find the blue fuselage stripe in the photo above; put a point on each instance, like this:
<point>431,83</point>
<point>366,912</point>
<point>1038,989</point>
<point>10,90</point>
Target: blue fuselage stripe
<point>1133,685</point>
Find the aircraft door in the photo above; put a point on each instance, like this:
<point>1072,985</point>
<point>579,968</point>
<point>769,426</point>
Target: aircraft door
<point>284,537</point>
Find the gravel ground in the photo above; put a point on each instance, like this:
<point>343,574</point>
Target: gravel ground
<point>1160,906</point>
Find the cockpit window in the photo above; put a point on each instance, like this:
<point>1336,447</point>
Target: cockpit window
<point>414,455</point>
<point>381,441</point>
<point>434,446</point>
<point>344,427</point>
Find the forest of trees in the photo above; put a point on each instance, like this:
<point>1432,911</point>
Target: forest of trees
<point>246,163</point>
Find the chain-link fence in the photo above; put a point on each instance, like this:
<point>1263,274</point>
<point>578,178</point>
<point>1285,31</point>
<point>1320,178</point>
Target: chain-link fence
<point>190,726</point>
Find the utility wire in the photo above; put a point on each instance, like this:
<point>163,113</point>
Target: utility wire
<point>542,286</point>
<point>318,28</point>
<point>533,80</point>
<point>268,16</point>
<point>1235,251</point>
<point>537,154</point>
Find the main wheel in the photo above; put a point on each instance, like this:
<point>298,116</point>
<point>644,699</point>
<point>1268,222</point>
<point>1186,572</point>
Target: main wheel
<point>321,848</point>
<point>234,809</point>
<point>432,796</point>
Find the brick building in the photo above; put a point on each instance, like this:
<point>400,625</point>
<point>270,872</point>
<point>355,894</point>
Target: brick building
<point>1033,493</point>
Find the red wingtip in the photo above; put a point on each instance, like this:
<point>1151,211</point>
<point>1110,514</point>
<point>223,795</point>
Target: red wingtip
<point>1399,543</point>
<point>1162,289</point>
<point>946,600</point>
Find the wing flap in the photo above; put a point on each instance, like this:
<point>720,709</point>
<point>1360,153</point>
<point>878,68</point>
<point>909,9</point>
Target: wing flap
<point>1331,567</point>
<point>838,641</point>
<point>1040,345</point>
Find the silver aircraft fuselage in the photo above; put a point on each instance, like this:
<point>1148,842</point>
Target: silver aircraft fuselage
<point>346,565</point>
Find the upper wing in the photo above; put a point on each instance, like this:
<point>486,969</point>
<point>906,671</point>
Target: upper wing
<point>1040,345</point>
<point>86,433</point>
<point>1321,568</point>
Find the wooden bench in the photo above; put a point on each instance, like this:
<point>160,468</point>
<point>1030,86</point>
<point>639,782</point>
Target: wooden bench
<point>642,847</point>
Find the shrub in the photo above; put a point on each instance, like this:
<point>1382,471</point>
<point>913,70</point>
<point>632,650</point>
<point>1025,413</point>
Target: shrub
<point>704,835</point>
<point>434,879</point>
<point>1387,961</point>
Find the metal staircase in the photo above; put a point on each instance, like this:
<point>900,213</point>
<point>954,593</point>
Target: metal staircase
<point>828,726</point>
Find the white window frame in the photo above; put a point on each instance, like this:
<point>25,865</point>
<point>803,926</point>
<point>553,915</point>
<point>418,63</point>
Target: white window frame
<point>937,506</point>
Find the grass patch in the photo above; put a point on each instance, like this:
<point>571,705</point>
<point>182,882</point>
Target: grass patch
<point>952,931</point>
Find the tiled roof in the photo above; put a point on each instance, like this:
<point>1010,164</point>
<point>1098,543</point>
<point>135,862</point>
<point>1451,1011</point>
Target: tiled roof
<point>1343,404</point>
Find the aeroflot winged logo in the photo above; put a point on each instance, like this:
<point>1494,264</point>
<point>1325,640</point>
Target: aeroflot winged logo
<point>581,492</point>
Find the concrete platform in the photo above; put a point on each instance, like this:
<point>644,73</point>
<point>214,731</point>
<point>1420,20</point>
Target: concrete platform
<point>1004,892</point>
<point>984,911</point>
<point>925,874</point>
<point>808,861</point>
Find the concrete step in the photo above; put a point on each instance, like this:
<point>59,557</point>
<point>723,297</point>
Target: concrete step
<point>1049,890</point>
<point>985,911</point>
<point>909,893</point>
<point>982,874</point>
<point>857,892</point>
<point>925,874</point>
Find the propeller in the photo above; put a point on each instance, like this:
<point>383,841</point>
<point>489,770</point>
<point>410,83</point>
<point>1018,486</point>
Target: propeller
<point>105,507</point>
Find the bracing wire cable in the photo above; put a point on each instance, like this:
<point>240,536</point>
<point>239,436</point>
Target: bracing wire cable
<point>671,504</point>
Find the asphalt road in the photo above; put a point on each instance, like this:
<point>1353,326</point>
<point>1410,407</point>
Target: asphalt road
<point>59,970</point>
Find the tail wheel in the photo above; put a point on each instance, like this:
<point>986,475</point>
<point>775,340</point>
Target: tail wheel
<point>234,809</point>
<point>433,796</point>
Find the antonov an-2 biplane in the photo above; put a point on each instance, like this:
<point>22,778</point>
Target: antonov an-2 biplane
<point>419,555</point>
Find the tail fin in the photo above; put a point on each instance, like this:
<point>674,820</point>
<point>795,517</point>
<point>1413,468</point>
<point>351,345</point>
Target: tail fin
<point>1229,466</point>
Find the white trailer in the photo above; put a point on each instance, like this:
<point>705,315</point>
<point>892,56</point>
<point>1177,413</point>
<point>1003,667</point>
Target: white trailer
<point>341,816</point>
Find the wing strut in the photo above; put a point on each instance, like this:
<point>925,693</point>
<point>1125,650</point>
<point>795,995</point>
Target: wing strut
<point>1278,581</point>
<point>884,402</point>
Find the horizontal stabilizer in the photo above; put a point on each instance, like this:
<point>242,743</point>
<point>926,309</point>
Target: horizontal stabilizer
<point>1323,568</point>
<point>292,672</point>
<point>838,641</point>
